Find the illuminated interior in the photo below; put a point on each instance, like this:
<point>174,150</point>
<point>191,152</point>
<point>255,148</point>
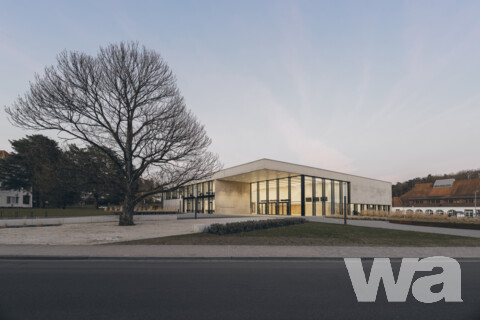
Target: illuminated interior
<point>283,196</point>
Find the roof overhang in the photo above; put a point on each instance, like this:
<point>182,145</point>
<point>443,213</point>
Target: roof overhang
<point>258,175</point>
<point>266,169</point>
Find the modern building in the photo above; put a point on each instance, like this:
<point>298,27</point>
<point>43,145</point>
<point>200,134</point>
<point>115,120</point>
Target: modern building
<point>14,198</point>
<point>445,196</point>
<point>278,188</point>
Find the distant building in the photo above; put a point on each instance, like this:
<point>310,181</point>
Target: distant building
<point>445,196</point>
<point>14,198</point>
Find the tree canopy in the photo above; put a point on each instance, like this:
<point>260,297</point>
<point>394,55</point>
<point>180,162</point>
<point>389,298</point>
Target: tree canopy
<point>57,177</point>
<point>124,101</point>
<point>36,164</point>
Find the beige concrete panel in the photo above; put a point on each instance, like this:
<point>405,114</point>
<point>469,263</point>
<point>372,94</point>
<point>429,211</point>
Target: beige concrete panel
<point>232,197</point>
<point>172,205</point>
<point>366,191</point>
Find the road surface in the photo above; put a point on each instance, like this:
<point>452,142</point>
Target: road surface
<point>294,289</point>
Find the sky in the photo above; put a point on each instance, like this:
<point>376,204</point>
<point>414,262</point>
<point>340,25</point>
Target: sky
<point>382,89</point>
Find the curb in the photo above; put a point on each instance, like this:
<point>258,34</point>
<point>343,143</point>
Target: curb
<point>265,259</point>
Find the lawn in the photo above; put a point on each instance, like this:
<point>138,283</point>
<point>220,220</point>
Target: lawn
<point>50,212</point>
<point>318,234</point>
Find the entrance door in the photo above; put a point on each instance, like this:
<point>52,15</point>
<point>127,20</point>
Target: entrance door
<point>262,208</point>
<point>272,208</point>
<point>283,208</point>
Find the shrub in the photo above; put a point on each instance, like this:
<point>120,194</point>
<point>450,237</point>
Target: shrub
<point>245,226</point>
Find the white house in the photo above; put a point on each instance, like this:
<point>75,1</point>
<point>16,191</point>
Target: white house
<point>14,198</point>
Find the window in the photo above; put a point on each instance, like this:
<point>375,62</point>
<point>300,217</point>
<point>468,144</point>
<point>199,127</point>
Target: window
<point>328,197</point>
<point>200,189</point>
<point>12,200</point>
<point>337,197</point>
<point>284,204</point>
<point>308,196</point>
<point>319,197</point>
<point>26,199</point>
<point>272,197</point>
<point>296,196</point>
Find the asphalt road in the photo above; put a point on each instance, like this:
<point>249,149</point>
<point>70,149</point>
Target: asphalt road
<point>224,290</point>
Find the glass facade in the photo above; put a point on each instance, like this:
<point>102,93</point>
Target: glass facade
<point>299,196</point>
<point>200,197</point>
<point>319,195</point>
<point>262,197</point>
<point>272,197</point>
<point>309,196</point>
<point>328,197</point>
<point>337,199</point>
<point>284,196</point>
<point>295,196</point>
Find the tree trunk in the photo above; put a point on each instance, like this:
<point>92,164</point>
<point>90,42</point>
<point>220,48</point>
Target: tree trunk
<point>126,216</point>
<point>95,200</point>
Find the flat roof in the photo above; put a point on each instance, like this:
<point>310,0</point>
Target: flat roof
<point>267,169</point>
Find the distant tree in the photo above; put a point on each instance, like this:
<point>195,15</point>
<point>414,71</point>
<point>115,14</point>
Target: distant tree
<point>124,101</point>
<point>96,174</point>
<point>36,164</point>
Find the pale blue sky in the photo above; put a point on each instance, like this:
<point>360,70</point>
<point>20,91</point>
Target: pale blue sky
<point>384,89</point>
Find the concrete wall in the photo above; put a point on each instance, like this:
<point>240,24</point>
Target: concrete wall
<point>172,205</point>
<point>368,191</point>
<point>232,197</point>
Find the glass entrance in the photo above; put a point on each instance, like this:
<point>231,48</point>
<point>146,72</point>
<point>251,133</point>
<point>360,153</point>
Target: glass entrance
<point>262,208</point>
<point>283,208</point>
<point>272,208</point>
<point>300,195</point>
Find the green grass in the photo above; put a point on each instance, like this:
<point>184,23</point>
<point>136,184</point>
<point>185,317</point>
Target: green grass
<point>50,212</point>
<point>318,234</point>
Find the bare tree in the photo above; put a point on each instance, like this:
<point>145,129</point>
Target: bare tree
<point>125,102</point>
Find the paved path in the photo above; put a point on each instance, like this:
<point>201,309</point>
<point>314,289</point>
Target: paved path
<point>108,232</point>
<point>397,226</point>
<point>229,252</point>
<point>21,222</point>
<point>103,229</point>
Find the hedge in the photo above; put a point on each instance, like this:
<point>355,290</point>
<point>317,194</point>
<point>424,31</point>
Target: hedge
<point>236,227</point>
